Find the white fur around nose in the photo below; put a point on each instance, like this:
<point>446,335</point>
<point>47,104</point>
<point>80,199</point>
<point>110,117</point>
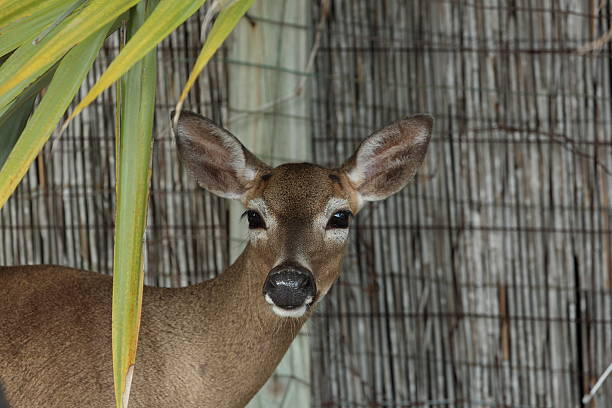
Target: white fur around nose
<point>279,311</point>
<point>299,312</point>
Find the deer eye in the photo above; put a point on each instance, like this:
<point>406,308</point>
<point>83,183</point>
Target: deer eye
<point>340,219</point>
<point>255,220</point>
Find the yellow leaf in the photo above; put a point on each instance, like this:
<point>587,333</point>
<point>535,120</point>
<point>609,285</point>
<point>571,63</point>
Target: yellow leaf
<point>75,28</point>
<point>168,15</point>
<point>225,23</point>
<point>27,28</point>
<point>62,89</point>
<point>14,10</point>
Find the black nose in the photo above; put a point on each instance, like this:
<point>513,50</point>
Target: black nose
<point>289,286</point>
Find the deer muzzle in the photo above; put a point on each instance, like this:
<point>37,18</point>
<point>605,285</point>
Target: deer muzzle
<point>289,287</point>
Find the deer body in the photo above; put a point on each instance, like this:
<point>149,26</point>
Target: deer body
<point>191,352</point>
<point>213,344</point>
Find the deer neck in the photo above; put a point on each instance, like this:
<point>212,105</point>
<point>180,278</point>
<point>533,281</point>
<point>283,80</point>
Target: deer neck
<point>230,331</point>
<point>238,292</point>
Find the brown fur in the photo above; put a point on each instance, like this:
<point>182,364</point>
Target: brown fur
<point>209,345</point>
<point>199,346</point>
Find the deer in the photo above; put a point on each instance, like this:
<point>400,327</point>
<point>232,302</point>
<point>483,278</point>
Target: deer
<point>215,343</point>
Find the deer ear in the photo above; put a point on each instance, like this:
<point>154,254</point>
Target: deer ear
<point>386,161</point>
<point>217,160</point>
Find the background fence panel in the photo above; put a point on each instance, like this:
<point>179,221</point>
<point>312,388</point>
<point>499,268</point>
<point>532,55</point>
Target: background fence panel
<point>487,282</point>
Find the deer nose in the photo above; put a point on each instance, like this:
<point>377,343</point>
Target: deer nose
<point>290,286</point>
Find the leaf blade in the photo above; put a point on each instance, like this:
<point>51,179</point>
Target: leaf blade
<point>62,89</point>
<point>18,32</point>
<point>14,10</point>
<point>168,15</point>
<point>14,118</point>
<point>136,106</point>
<point>225,23</point>
<point>91,17</point>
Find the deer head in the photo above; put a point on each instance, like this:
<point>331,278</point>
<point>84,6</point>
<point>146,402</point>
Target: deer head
<point>299,214</point>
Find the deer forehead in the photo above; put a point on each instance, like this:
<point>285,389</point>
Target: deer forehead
<point>300,191</point>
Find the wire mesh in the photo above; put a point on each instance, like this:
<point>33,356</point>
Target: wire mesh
<point>488,281</point>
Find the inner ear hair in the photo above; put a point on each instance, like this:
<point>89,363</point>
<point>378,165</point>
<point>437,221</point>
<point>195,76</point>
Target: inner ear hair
<point>215,157</point>
<point>386,161</point>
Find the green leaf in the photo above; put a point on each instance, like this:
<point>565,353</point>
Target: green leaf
<point>63,87</point>
<point>24,67</point>
<point>14,59</point>
<point>27,28</point>
<point>136,105</point>
<point>225,23</point>
<point>12,11</point>
<point>14,118</point>
<point>11,127</point>
<point>168,15</point>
